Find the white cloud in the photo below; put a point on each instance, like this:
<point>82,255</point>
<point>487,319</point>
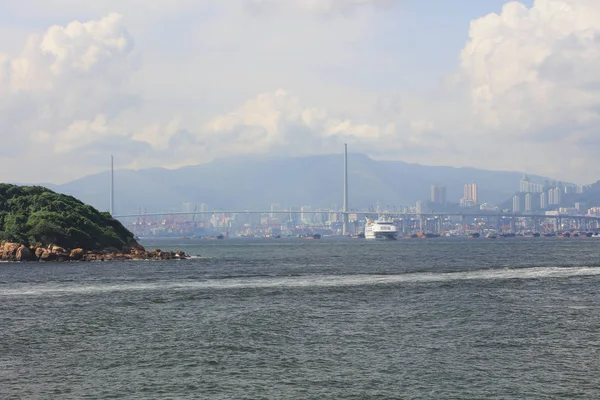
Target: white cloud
<point>278,123</point>
<point>63,89</point>
<point>82,47</point>
<point>533,70</point>
<point>533,77</point>
<point>527,95</point>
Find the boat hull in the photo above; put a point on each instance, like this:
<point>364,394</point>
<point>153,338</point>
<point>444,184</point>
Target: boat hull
<point>381,235</point>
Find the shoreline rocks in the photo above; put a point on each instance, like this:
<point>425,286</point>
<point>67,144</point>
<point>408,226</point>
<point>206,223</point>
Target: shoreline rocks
<point>19,252</point>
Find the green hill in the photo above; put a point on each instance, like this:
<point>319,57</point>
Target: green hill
<point>34,216</point>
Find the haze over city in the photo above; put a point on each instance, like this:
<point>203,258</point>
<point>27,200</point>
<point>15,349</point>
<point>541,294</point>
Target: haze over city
<point>489,84</point>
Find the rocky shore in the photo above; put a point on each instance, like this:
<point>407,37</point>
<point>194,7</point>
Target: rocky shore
<point>51,253</point>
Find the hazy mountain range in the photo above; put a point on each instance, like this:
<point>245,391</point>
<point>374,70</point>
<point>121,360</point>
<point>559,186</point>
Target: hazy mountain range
<point>254,183</point>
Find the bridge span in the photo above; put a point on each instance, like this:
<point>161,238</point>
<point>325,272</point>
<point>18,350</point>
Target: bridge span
<point>362,212</point>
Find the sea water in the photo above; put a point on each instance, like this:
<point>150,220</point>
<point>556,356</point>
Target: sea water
<point>336,318</point>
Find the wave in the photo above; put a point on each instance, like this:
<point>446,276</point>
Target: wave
<point>308,281</point>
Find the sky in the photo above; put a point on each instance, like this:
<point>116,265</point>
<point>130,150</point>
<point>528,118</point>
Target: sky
<point>480,83</point>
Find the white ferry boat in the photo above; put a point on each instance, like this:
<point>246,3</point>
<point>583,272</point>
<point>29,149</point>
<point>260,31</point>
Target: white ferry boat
<point>380,229</point>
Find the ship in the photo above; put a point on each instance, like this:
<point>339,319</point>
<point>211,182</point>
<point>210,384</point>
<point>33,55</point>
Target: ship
<point>380,229</point>
<point>491,235</point>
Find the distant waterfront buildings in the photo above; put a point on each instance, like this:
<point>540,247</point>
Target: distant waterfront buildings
<point>594,211</point>
<point>274,207</point>
<point>528,207</point>
<point>516,204</point>
<point>543,201</point>
<point>419,207</point>
<point>305,215</point>
<point>554,196</point>
<point>438,194</point>
<point>526,186</point>
<point>568,211</point>
<point>470,195</point>
<point>557,195</point>
<point>488,207</point>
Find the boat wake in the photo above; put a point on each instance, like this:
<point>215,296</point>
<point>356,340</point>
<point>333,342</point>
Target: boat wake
<point>304,281</point>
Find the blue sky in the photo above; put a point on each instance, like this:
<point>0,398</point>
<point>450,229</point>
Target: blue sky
<point>487,83</point>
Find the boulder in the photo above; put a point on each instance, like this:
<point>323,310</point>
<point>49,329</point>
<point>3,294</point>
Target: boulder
<point>59,251</point>
<point>48,255</point>
<point>77,254</point>
<point>25,254</point>
<point>9,250</point>
<point>38,252</point>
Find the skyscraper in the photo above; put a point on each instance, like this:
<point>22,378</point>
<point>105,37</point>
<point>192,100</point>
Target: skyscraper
<point>557,196</point>
<point>438,194</point>
<point>516,204</point>
<point>524,184</point>
<point>419,207</point>
<point>543,201</point>
<point>528,202</point>
<point>470,195</point>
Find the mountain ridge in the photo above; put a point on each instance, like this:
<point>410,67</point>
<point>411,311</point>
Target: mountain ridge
<point>253,182</point>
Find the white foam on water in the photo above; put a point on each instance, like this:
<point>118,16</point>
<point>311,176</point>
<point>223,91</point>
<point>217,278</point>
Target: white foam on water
<point>309,281</point>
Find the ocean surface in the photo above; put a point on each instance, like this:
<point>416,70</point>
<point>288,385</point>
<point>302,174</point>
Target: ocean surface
<point>336,318</point>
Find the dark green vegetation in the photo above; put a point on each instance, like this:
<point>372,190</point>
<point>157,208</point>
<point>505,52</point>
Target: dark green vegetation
<point>34,215</point>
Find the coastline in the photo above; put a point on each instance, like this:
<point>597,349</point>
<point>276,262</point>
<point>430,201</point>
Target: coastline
<point>18,252</point>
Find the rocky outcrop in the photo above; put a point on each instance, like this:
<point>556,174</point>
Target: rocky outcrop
<point>19,252</point>
<point>9,250</point>
<point>24,253</point>
<point>77,254</point>
<point>48,255</point>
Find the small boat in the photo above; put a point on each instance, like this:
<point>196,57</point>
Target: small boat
<point>314,236</point>
<point>507,234</point>
<point>474,235</point>
<point>220,236</point>
<point>360,235</point>
<point>428,235</point>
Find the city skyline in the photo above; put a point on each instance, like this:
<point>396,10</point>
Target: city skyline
<point>184,82</point>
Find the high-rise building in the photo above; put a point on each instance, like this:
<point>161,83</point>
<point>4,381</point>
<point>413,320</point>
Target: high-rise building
<point>470,195</point>
<point>516,204</point>
<point>543,201</point>
<point>419,207</point>
<point>438,194</point>
<point>524,184</point>
<point>557,195</point>
<point>551,196</point>
<point>528,202</point>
